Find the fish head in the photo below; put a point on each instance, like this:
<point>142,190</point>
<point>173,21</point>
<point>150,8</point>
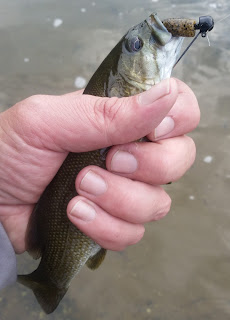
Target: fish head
<point>148,54</point>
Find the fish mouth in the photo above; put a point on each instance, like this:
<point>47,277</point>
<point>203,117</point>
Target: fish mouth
<point>169,46</point>
<point>172,52</point>
<point>159,31</point>
<point>167,49</point>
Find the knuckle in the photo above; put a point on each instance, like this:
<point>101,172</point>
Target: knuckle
<point>175,162</point>
<point>191,144</point>
<point>106,112</point>
<point>192,118</point>
<point>164,209</point>
<point>167,204</point>
<point>34,101</point>
<point>196,111</point>
<point>113,236</point>
<point>117,239</point>
<point>27,116</point>
<point>28,109</point>
<point>190,153</point>
<point>196,117</point>
<point>164,168</point>
<point>110,109</point>
<point>139,233</point>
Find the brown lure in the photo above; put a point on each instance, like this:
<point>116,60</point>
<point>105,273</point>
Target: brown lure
<point>187,27</point>
<point>180,27</point>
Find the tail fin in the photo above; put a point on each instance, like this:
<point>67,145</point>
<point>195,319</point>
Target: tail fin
<point>47,294</point>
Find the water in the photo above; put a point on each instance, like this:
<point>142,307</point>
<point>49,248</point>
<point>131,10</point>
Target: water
<point>181,269</point>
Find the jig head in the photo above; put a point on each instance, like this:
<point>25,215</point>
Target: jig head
<point>188,27</point>
<point>206,24</point>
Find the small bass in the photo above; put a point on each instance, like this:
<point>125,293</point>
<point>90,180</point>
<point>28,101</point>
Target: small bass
<point>143,57</point>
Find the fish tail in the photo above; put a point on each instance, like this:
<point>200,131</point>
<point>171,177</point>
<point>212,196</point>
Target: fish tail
<point>46,293</point>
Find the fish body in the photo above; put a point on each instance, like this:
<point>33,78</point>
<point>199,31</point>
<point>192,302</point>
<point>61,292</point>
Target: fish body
<point>143,57</point>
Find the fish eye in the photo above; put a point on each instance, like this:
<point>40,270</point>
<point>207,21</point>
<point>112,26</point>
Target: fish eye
<point>134,44</point>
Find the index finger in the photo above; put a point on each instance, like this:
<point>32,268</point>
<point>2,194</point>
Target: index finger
<point>182,118</point>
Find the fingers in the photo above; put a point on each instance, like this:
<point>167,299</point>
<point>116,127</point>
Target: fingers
<point>108,231</point>
<point>129,200</point>
<point>79,123</point>
<point>182,118</point>
<point>111,209</point>
<point>153,163</point>
<point>76,122</point>
<point>15,222</point>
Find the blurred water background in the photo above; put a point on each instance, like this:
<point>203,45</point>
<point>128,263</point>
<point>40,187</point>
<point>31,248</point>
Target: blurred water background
<point>181,269</point>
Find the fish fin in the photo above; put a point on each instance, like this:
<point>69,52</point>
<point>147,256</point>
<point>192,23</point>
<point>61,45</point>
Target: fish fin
<point>95,261</point>
<point>34,247</point>
<point>35,253</point>
<point>46,293</point>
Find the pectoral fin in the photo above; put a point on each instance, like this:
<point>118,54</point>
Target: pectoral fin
<point>95,261</point>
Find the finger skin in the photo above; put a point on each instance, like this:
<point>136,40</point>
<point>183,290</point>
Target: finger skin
<point>15,224</point>
<point>108,231</point>
<point>129,200</point>
<point>134,202</point>
<point>79,123</point>
<point>37,134</point>
<point>158,163</point>
<point>185,113</point>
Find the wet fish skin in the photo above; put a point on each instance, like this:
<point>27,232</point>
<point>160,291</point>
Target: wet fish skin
<point>62,247</point>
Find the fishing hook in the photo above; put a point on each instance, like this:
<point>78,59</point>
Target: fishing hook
<point>206,24</point>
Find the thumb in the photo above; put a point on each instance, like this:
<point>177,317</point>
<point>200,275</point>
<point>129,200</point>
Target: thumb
<point>104,122</point>
<point>78,123</point>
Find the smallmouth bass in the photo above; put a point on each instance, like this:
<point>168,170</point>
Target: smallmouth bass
<point>143,57</point>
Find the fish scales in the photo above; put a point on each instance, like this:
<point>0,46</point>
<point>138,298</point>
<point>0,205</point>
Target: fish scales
<point>64,248</point>
<point>60,232</point>
<point>142,58</point>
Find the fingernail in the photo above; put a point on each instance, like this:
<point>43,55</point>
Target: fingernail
<point>165,127</point>
<point>156,92</point>
<point>124,162</point>
<point>93,183</point>
<point>83,211</point>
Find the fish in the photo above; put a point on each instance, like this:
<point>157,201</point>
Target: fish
<point>143,57</point>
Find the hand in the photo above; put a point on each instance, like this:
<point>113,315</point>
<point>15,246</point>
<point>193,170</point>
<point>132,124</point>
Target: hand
<point>37,134</point>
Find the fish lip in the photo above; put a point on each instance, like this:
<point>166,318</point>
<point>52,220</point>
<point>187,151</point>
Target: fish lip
<point>154,21</point>
<point>160,33</point>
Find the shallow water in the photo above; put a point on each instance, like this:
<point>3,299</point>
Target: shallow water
<point>181,269</point>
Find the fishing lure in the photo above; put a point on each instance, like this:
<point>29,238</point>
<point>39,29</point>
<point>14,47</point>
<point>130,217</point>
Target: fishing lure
<point>188,27</point>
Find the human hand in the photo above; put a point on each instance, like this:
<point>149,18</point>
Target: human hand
<point>37,134</point>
